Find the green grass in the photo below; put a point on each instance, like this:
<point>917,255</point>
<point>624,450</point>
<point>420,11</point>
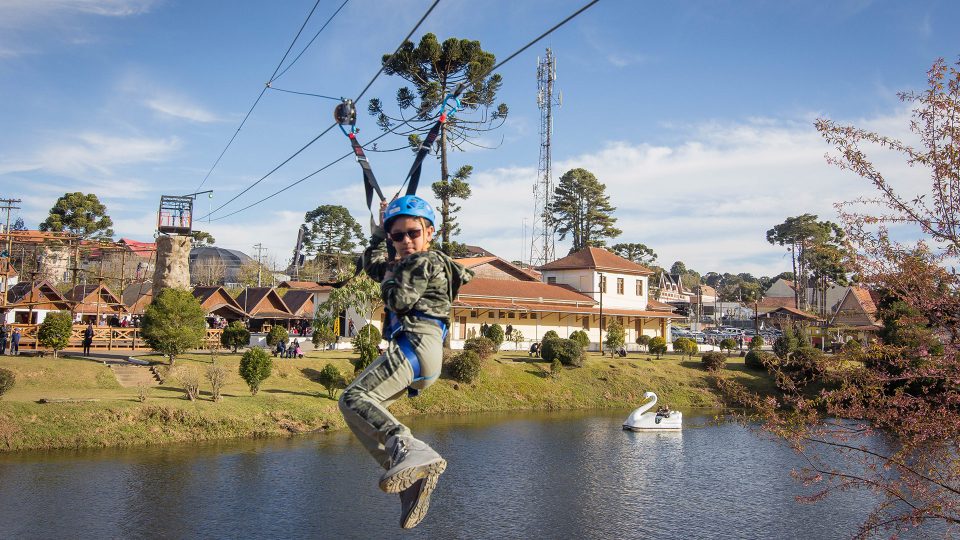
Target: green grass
<point>291,402</point>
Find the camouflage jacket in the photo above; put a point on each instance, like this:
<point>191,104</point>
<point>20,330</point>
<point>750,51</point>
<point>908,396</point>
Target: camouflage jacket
<point>427,282</point>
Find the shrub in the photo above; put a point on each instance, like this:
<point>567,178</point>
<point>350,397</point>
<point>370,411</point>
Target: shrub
<point>550,334</point>
<point>216,376</point>
<point>366,342</point>
<point>174,323</point>
<point>643,340</point>
<point>582,338</point>
<point>331,379</point>
<point>556,368</point>
<point>7,380</point>
<point>55,331</point>
<point>465,367</point>
<point>852,346</point>
<point>757,342</point>
<point>568,352</point>
<point>754,359</point>
<point>483,347</point>
<point>728,344</point>
<point>713,360</point>
<point>657,346</point>
<point>802,367</point>
<point>323,336</point>
<point>548,348</point>
<point>234,336</point>
<point>614,338</point>
<point>495,333</point>
<point>685,346</point>
<point>277,334</point>
<point>255,367</point>
<point>188,378</point>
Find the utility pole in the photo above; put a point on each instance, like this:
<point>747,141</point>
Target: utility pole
<point>8,205</point>
<point>259,247</point>
<point>541,231</point>
<point>603,286</point>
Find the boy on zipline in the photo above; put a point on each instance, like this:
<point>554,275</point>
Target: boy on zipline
<point>418,287</point>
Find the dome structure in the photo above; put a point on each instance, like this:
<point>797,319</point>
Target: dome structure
<point>212,264</point>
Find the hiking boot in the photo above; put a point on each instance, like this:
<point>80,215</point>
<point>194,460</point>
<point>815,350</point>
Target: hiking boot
<point>410,460</point>
<point>415,501</point>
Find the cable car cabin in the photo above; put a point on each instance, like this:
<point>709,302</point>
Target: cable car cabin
<point>176,215</point>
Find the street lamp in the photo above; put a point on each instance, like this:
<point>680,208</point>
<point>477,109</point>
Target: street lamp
<point>600,323</point>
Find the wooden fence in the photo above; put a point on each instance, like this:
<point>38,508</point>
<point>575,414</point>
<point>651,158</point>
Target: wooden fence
<point>104,337</point>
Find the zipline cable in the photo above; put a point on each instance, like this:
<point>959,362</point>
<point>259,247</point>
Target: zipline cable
<point>327,130</point>
<point>509,58</point>
<point>307,46</point>
<point>262,91</point>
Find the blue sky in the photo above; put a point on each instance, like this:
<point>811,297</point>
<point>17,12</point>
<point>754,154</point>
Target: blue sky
<point>698,116</point>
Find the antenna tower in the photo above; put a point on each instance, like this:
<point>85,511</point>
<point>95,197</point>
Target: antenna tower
<point>542,233</point>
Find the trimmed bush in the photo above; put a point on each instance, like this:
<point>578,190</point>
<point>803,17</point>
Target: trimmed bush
<point>496,335</point>
<point>582,338</point>
<point>643,340</point>
<point>331,379</point>
<point>255,367</point>
<point>277,334</point>
<point>174,323</point>
<point>323,336</point>
<point>482,346</point>
<point>685,346</point>
<point>757,342</point>
<point>548,348</point>
<point>852,346</point>
<point>713,360</point>
<point>728,344</point>
<point>550,334</point>
<point>7,381</point>
<point>804,366</point>
<point>366,343</point>
<point>567,351</point>
<point>235,335</point>
<point>757,359</point>
<point>465,367</point>
<point>657,346</point>
<point>55,331</point>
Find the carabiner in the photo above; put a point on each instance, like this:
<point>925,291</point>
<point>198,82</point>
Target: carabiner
<point>457,106</point>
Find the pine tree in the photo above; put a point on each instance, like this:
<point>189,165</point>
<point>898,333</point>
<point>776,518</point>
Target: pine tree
<point>581,208</point>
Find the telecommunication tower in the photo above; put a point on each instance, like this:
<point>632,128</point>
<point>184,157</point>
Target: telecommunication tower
<point>542,232</point>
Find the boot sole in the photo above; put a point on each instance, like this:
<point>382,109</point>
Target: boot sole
<point>419,510</point>
<point>409,476</point>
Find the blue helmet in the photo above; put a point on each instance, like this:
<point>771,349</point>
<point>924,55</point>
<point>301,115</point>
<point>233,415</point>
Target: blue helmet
<point>409,205</point>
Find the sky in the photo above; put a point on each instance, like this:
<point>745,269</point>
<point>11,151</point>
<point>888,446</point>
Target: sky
<point>698,116</point>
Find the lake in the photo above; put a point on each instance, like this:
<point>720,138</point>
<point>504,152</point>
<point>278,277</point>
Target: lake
<point>515,475</point>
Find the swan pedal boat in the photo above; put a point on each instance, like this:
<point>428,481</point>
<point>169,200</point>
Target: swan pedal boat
<point>641,420</point>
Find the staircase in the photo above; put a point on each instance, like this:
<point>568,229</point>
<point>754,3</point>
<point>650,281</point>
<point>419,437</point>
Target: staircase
<point>129,375</point>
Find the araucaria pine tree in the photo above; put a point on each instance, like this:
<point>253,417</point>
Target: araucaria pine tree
<point>581,209</point>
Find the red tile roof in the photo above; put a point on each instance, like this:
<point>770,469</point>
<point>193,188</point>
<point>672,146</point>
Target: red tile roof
<point>597,259</point>
<point>304,286</point>
<point>537,290</point>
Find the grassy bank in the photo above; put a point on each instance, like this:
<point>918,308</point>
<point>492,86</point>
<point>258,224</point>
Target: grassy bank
<point>290,402</point>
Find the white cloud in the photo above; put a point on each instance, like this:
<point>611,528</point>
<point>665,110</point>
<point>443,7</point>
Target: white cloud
<point>708,200</point>
<point>180,108</point>
<point>19,12</point>
<point>97,152</point>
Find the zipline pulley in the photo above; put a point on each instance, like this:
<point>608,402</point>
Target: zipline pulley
<point>345,114</point>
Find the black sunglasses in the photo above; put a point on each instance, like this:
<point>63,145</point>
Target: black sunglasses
<point>412,233</point>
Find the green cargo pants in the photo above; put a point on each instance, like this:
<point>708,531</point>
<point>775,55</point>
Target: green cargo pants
<point>364,403</point>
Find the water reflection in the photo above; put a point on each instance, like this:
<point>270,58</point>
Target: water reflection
<point>555,475</point>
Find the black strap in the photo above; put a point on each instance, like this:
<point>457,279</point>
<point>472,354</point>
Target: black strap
<point>414,175</point>
<point>369,180</point>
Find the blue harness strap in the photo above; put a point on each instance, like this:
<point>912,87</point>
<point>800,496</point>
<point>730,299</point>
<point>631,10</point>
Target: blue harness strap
<point>394,333</point>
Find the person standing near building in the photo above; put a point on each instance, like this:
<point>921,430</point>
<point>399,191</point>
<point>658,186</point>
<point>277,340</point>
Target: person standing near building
<point>3,339</point>
<point>15,342</point>
<point>87,339</point>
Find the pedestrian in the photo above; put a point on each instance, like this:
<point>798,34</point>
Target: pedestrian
<point>418,286</point>
<point>3,339</point>
<point>87,339</point>
<point>509,330</point>
<point>350,329</point>
<point>15,342</point>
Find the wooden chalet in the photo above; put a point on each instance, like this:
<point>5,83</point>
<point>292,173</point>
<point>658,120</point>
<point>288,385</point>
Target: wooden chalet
<point>94,302</point>
<point>786,315</point>
<point>265,307</point>
<point>300,302</point>
<point>857,314</point>
<point>29,302</point>
<point>137,296</point>
<point>216,301</point>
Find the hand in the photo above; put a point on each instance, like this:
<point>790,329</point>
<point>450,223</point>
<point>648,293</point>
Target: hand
<point>383,210</point>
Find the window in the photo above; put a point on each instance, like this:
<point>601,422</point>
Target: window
<point>603,323</point>
<point>523,315</point>
<point>639,287</point>
<point>511,315</point>
<point>552,280</point>
<point>586,322</point>
<point>533,315</point>
<point>473,313</point>
<point>603,284</point>
<point>502,314</point>
<point>619,285</point>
